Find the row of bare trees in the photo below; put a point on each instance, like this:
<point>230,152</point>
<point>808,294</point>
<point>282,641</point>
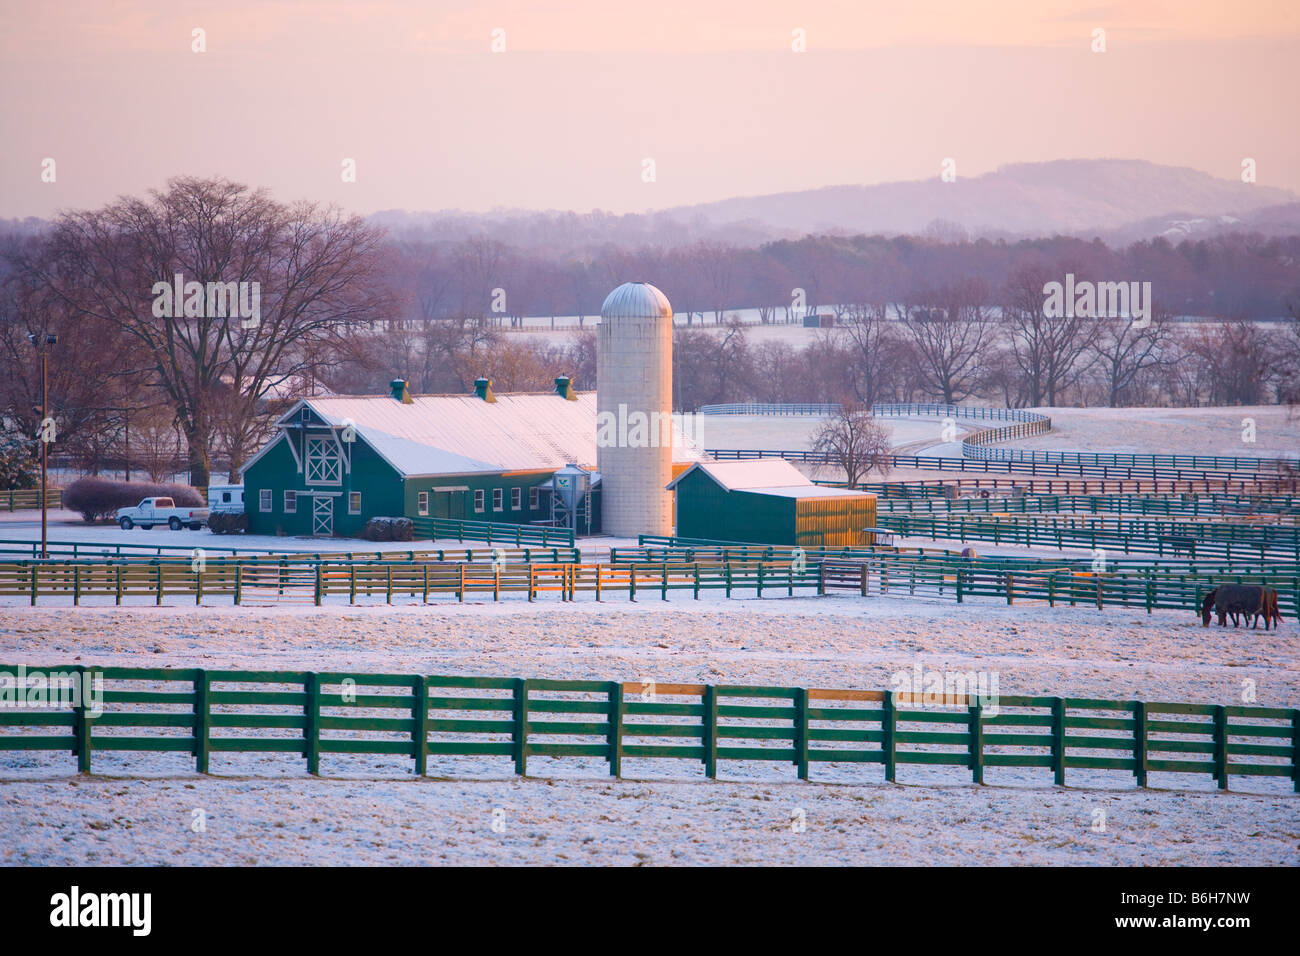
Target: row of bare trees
<point>345,308</point>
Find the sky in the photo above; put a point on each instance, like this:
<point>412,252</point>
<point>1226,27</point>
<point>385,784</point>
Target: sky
<point>623,105</point>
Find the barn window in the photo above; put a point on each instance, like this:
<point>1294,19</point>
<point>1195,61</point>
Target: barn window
<point>264,499</point>
<point>324,464</point>
<point>478,500</point>
<point>354,502</point>
<point>534,496</point>
<point>516,498</point>
<point>290,502</point>
<point>498,496</point>
<point>422,503</point>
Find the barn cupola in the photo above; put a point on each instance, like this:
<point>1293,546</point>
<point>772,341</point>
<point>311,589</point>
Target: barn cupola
<point>399,391</point>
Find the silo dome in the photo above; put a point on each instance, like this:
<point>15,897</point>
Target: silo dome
<point>634,392</point>
<point>636,300</point>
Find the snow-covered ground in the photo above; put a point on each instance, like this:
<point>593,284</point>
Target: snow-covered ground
<point>368,810</point>
<point>1160,431</point>
<point>797,431</point>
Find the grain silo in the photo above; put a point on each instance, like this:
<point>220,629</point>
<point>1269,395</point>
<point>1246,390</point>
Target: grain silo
<point>633,410</point>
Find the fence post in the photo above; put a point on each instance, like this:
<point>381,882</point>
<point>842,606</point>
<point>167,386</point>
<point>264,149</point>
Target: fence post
<point>81,723</point>
<point>1140,742</point>
<point>664,592</point>
<point>1295,750</point>
<point>520,735</point>
<point>977,741</point>
<point>1058,740</point>
<point>159,569</point>
<point>311,723</point>
<point>888,733</point>
<point>801,731</point>
<point>710,731</point>
<point>615,731</point>
<point>1221,746</point>
<point>420,730</point>
<point>202,720</point>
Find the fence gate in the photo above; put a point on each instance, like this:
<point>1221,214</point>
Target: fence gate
<point>322,516</point>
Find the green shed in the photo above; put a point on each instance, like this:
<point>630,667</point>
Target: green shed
<point>768,501</point>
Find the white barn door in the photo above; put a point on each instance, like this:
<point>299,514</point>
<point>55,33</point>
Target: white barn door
<point>322,516</point>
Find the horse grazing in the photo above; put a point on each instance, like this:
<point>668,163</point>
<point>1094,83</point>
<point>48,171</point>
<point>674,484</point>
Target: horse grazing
<point>1245,600</point>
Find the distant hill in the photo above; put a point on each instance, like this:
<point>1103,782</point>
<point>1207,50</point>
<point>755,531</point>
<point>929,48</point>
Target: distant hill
<point>1070,196</point>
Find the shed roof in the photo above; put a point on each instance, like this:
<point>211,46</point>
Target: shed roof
<point>766,476</point>
<point>755,473</point>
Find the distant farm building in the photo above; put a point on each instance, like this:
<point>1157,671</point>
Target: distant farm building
<point>768,501</point>
<point>337,461</point>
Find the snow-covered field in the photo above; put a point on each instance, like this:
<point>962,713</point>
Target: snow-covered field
<point>1146,431</point>
<point>139,807</point>
<point>798,431</point>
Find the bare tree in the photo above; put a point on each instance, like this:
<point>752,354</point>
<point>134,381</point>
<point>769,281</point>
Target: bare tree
<point>856,442</point>
<point>1125,351</point>
<point>1051,353</point>
<point>949,336</point>
<point>316,271</point>
<point>876,351</point>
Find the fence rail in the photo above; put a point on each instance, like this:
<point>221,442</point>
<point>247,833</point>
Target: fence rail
<point>773,408</point>
<point>310,716</point>
<point>1204,539</point>
<point>1242,507</point>
<point>1243,479</point>
<point>26,498</point>
<point>492,532</point>
<point>652,573</point>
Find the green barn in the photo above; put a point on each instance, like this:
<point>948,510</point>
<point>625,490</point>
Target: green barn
<point>337,461</point>
<point>768,501</point>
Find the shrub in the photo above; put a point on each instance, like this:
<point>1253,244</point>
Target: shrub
<point>389,529</point>
<point>98,498</point>
<point>223,522</point>
<point>20,462</point>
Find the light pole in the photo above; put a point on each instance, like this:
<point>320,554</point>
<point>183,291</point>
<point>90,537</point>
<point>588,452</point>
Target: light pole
<point>42,345</point>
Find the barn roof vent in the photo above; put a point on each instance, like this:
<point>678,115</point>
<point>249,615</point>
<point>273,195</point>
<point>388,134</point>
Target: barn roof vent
<point>483,389</point>
<point>564,387</point>
<point>399,391</point>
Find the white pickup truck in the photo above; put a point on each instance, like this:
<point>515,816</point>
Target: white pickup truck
<point>152,511</point>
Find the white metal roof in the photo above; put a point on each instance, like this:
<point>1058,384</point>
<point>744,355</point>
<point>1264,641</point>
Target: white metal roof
<point>636,300</point>
<point>462,434</point>
<point>755,473</point>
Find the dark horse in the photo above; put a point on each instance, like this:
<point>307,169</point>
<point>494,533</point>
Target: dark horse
<point>1249,600</point>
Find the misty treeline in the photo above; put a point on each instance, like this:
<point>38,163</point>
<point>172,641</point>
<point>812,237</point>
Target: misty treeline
<point>345,308</point>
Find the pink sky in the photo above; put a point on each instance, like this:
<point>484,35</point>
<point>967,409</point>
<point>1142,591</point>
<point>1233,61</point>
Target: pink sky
<point>588,89</point>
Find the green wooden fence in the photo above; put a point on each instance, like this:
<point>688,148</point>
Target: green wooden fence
<point>492,532</point>
<point>314,582</point>
<point>26,498</point>
<point>313,715</point>
<point>1128,537</point>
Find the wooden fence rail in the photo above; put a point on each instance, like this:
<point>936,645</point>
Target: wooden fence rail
<point>314,716</point>
<point>1204,540</point>
<point>316,582</point>
<point>26,498</point>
